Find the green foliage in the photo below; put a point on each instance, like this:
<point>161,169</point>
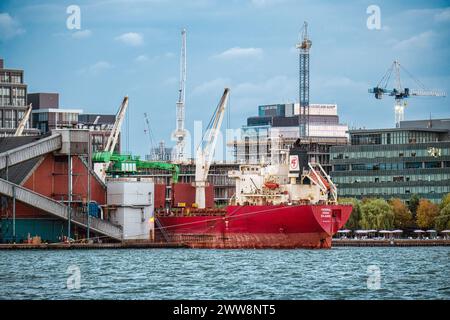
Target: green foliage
<point>355,217</point>
<point>442,221</point>
<point>445,201</point>
<point>413,204</point>
<point>376,214</point>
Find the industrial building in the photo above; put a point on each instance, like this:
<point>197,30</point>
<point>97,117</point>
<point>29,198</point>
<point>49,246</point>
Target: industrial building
<point>398,162</point>
<point>267,137</point>
<point>47,116</point>
<point>13,101</point>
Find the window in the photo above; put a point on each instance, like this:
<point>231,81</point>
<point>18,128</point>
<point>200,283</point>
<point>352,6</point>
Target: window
<point>432,164</point>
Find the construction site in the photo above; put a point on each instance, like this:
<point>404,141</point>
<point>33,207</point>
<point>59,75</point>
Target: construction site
<point>70,184</point>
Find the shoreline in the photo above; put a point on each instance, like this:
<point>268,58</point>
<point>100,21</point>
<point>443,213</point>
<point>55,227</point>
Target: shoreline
<point>161,245</point>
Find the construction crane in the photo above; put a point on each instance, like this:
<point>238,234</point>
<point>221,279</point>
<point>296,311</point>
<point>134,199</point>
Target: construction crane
<point>399,92</point>
<point>23,122</point>
<point>205,150</point>
<point>180,132</point>
<point>303,46</point>
<point>100,168</point>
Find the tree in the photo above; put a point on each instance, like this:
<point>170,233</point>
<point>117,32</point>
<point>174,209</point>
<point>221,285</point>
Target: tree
<point>355,216</point>
<point>445,201</point>
<point>376,214</point>
<point>443,220</point>
<point>413,204</point>
<point>426,213</point>
<point>402,216</point>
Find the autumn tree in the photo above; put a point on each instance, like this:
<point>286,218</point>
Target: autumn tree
<point>426,214</point>
<point>402,216</point>
<point>376,214</point>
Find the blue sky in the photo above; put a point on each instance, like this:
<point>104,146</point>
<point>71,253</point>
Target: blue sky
<point>132,47</point>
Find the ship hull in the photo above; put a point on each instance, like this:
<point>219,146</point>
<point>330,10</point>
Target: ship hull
<point>278,227</point>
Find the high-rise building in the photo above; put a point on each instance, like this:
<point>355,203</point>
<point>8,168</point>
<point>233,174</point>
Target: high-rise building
<point>13,101</point>
<point>268,137</point>
<point>398,162</point>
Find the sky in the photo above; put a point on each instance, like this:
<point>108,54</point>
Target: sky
<point>132,47</point>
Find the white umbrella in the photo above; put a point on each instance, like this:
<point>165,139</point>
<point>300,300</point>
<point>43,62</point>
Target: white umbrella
<point>419,231</point>
<point>397,231</point>
<point>344,231</point>
<point>431,231</point>
<point>384,231</point>
<point>361,231</point>
<point>445,231</point>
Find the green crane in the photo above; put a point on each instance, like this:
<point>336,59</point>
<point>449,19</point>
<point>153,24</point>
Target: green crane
<point>127,164</point>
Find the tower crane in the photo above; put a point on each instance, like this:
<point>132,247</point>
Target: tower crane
<point>399,92</point>
<point>23,122</point>
<point>101,167</point>
<point>180,133</point>
<point>205,150</point>
<point>303,46</point>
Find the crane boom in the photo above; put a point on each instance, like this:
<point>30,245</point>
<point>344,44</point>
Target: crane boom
<point>180,133</point>
<point>399,92</point>
<point>205,150</point>
<point>23,122</point>
<point>115,131</point>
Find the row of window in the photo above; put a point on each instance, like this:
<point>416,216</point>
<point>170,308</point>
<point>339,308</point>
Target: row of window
<point>392,153</point>
<point>392,166</point>
<point>348,192</point>
<point>392,178</point>
<point>395,137</point>
<point>11,77</point>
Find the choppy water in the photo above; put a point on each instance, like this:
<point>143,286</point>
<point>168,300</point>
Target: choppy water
<point>340,273</point>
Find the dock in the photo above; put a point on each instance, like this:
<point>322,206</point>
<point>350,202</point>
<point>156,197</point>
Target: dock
<point>92,246</point>
<point>390,242</point>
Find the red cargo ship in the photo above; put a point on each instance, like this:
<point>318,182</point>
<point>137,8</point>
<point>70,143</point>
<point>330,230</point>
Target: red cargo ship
<point>290,205</point>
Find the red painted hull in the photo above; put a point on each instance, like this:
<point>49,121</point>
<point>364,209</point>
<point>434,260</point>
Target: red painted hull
<point>301,226</point>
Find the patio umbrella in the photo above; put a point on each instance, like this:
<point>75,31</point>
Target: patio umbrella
<point>419,231</point>
<point>397,231</point>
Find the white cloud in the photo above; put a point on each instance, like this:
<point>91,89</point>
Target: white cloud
<point>443,15</point>
<point>131,38</point>
<point>422,40</point>
<point>265,3</point>
<point>9,27</point>
<point>82,34</point>
<point>238,52</point>
<point>141,58</point>
<point>96,68</point>
<point>211,86</point>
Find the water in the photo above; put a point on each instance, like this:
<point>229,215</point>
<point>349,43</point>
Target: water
<point>339,273</point>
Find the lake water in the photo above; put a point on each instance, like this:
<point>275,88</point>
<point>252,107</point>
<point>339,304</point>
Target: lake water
<point>339,273</point>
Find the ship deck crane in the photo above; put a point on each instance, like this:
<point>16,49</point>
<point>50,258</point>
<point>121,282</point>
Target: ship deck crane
<point>23,122</point>
<point>205,150</point>
<point>399,92</point>
<point>180,132</point>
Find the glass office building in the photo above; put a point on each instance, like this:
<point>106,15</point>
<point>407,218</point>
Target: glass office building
<point>400,162</point>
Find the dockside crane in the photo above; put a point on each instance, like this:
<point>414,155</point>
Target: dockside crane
<point>180,132</point>
<point>399,92</point>
<point>23,122</point>
<point>101,167</point>
<point>205,150</point>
